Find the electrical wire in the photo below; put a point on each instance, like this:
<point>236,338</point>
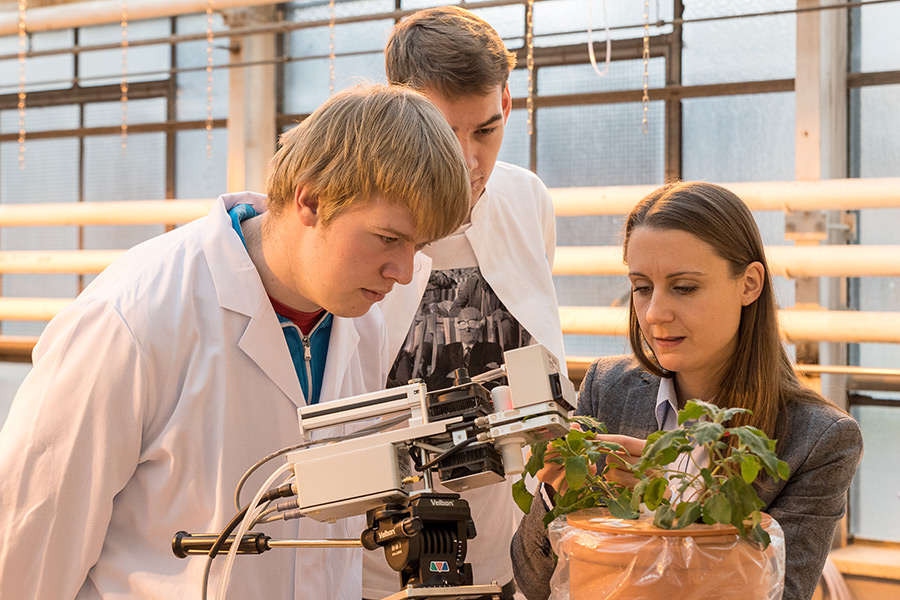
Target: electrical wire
<point>249,516</point>
<point>280,492</point>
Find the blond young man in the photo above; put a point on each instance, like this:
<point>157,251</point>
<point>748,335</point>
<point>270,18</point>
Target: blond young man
<point>183,363</point>
<point>499,262</point>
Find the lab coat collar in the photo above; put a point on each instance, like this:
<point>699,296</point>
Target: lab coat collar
<point>228,259</point>
<point>239,289</point>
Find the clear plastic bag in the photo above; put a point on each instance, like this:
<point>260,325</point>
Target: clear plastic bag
<point>604,558</point>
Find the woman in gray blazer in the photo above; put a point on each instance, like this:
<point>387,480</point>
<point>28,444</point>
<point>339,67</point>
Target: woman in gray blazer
<point>702,324</point>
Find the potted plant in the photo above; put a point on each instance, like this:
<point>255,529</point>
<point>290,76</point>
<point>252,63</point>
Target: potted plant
<point>713,505</point>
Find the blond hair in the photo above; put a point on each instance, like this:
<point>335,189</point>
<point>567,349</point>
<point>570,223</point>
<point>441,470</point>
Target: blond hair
<point>447,49</point>
<point>375,142</point>
<point>758,376</point>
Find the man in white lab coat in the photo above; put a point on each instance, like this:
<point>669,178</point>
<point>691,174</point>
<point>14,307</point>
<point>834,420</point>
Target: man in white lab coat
<point>499,262</point>
<point>186,360</point>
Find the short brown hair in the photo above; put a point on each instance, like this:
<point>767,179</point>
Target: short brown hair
<point>375,142</point>
<point>447,49</point>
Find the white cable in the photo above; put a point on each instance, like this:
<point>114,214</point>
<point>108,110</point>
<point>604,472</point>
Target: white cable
<point>251,515</point>
<point>591,38</point>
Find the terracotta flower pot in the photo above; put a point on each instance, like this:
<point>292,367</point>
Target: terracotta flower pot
<point>631,559</point>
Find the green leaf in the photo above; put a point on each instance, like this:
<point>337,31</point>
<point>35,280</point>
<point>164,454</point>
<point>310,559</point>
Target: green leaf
<point>750,468</point>
<point>664,449</point>
<point>589,423</point>
<point>575,441</point>
<point>536,460</point>
<point>522,496</point>
<point>706,474</point>
<point>783,470</point>
<point>690,512</point>
<point>760,535</point>
<point>654,436</point>
<point>576,471</point>
<point>757,443</point>
<point>621,507</point>
<point>729,413</point>
<point>742,497</point>
<point>638,493</point>
<point>717,509</point>
<point>655,493</point>
<point>665,517</point>
<point>692,410</point>
<point>551,515</point>
<point>705,432</point>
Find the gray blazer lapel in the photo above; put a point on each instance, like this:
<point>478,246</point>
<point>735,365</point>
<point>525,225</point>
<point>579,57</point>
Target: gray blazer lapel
<point>639,412</point>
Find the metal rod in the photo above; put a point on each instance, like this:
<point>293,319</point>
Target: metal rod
<point>792,262</point>
<point>314,544</point>
<point>825,194</point>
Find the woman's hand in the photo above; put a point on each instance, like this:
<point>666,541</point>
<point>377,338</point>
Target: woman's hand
<point>554,474</point>
<point>621,463</point>
<point>551,473</point>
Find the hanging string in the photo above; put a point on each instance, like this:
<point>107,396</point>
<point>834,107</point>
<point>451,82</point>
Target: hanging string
<point>645,101</point>
<point>123,86</point>
<point>23,48</point>
<point>209,77</point>
<point>331,47</point>
<point>529,62</point>
<point>591,39</point>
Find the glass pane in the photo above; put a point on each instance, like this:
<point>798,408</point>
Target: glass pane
<point>564,16</point>
<point>306,81</point>
<point>54,71</point>
<point>50,118</point>
<point>600,145</point>
<point>747,49</point>
<point>105,114</point>
<point>739,138</point>
<point>622,75</point>
<point>319,11</point>
<point>516,144</point>
<point>874,112</point>
<point>875,489</point>
<point>142,63</point>
<point>875,48</point>
<point>192,79</point>
<point>197,176</point>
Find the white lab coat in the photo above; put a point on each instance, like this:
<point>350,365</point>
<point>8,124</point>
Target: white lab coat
<point>149,398</point>
<point>513,236</point>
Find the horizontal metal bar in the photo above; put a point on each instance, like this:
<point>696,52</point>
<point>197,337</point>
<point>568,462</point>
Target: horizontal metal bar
<point>670,92</point>
<point>57,261</point>
<point>830,194</point>
<point>315,543</point>
<point>132,212</point>
<point>796,325</point>
<point>115,130</point>
<point>825,194</point>
<point>786,261</point>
